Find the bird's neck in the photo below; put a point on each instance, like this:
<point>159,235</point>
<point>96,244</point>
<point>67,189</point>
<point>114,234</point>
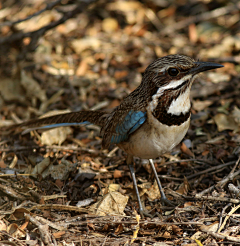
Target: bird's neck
<point>171,106</point>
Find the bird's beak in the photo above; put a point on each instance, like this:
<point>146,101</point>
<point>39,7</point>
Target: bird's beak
<point>204,66</point>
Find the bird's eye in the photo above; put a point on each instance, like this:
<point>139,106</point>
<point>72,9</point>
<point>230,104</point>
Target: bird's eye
<point>173,72</point>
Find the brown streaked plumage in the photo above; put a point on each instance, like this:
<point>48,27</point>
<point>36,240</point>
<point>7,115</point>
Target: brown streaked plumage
<point>152,119</point>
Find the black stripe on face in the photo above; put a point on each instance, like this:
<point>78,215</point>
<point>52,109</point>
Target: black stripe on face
<point>160,112</point>
<point>181,85</point>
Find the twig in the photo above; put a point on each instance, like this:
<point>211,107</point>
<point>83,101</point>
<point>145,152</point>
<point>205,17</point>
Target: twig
<point>43,229</point>
<point>221,236</point>
<point>65,148</point>
<point>233,210</point>
<point>220,183</point>
<point>235,166</point>
<point>10,192</point>
<point>210,169</point>
<point>218,199</point>
<point>177,161</point>
<point>49,6</point>
<point>221,216</point>
<point>228,178</point>
<point>199,18</point>
<point>142,221</point>
<point>7,242</point>
<point>40,32</point>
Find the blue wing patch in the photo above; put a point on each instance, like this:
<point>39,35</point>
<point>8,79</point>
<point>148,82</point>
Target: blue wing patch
<point>131,123</point>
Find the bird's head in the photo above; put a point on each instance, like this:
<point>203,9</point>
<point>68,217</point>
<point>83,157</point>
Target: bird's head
<point>167,81</point>
<point>177,71</point>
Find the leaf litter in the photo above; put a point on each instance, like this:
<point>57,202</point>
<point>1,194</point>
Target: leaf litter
<point>59,187</point>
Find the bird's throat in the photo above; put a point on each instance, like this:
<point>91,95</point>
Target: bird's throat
<point>172,107</point>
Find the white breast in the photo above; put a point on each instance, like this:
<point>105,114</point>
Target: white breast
<point>154,138</point>
<point>181,104</point>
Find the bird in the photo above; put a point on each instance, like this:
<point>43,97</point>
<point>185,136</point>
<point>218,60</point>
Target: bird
<point>150,121</point>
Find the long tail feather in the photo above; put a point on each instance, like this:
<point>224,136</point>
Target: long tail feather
<point>73,118</point>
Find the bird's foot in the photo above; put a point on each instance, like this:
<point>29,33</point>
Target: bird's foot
<point>145,213</point>
<point>167,203</point>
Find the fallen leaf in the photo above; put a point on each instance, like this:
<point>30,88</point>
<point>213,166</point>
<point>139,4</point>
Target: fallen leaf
<point>82,44</point>
<point>113,187</point>
<point>201,105</point>
<point>117,174</point>
<point>58,234</point>
<point>216,140</point>
<point>218,77</point>
<point>41,166</point>
<point>186,150</point>
<point>82,68</point>
<point>153,193</point>
<point>236,114</point>
<point>60,171</point>
<point>184,187</point>
<point>225,122</point>
<point>212,227</point>
<point>109,25</point>
<point>221,153</point>
<point>112,203</point>
<point>11,89</point>
<point>3,226</point>
<point>32,87</point>
<point>55,136</point>
<point>15,231</point>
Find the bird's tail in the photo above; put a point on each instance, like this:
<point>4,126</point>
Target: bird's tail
<point>67,119</point>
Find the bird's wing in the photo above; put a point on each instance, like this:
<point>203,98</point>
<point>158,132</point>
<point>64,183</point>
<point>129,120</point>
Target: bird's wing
<point>67,119</point>
<point>126,125</point>
<point>116,127</point>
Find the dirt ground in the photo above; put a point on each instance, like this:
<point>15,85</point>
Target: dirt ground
<point>59,187</point>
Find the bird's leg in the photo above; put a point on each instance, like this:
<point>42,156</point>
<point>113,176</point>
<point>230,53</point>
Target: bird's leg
<point>164,199</point>
<point>132,171</point>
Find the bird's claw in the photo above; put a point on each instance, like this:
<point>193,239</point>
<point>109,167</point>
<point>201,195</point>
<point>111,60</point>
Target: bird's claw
<point>166,202</point>
<point>144,214</point>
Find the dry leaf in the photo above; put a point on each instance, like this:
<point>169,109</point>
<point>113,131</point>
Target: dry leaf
<point>212,227</point>
<point>216,140</point>
<point>117,174</point>
<point>225,122</point>
<point>32,87</point>
<point>55,136</point>
<point>113,187</point>
<point>109,25</point>
<point>15,231</point>
<point>82,68</point>
<point>183,188</point>
<point>82,44</point>
<point>119,229</point>
<point>218,77</point>
<point>186,150</point>
<point>236,114</point>
<point>112,203</point>
<point>201,105</point>
<point>3,226</point>
<point>11,89</point>
<point>153,193</point>
<point>58,234</point>
<point>221,153</point>
<point>60,171</point>
<point>40,167</point>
